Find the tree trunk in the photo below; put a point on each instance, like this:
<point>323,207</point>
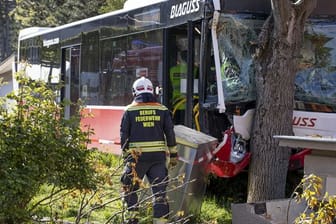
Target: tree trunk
<point>276,63</point>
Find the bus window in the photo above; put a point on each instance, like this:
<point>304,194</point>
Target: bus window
<point>125,59</point>
<point>114,78</point>
<point>89,76</point>
<point>50,64</point>
<point>31,54</point>
<point>144,56</point>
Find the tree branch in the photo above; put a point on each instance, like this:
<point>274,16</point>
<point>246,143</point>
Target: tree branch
<point>304,7</point>
<point>264,37</point>
<point>300,13</point>
<point>281,12</point>
<point>51,197</point>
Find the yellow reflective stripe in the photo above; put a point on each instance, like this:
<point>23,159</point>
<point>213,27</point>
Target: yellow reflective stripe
<point>147,144</point>
<point>158,149</point>
<point>149,107</point>
<point>154,146</point>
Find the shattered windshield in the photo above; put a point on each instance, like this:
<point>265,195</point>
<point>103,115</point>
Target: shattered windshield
<point>315,84</point>
<point>237,35</point>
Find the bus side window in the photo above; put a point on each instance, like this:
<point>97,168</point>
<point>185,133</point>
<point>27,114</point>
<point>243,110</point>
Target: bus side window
<point>144,57</point>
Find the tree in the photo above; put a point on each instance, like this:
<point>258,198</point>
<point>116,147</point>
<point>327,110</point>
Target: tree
<point>111,5</point>
<point>51,13</point>
<point>71,10</point>
<point>39,146</point>
<point>5,33</point>
<point>276,63</point>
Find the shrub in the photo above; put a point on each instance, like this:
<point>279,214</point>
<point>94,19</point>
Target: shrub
<point>319,209</point>
<point>38,146</point>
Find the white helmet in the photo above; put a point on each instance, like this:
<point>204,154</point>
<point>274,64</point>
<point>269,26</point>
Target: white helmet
<point>142,85</point>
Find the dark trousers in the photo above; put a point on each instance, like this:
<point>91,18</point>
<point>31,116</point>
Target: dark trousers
<point>151,164</point>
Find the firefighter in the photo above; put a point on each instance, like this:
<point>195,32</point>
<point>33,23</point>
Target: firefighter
<point>148,140</point>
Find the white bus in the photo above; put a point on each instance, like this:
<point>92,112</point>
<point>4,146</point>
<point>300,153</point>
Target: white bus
<point>99,58</point>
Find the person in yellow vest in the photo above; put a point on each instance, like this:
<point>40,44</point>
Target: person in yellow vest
<point>177,73</point>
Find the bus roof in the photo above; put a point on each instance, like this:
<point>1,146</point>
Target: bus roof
<point>133,4</point>
<point>32,30</point>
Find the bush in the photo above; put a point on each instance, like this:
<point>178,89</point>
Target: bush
<point>38,146</point>
<point>320,209</point>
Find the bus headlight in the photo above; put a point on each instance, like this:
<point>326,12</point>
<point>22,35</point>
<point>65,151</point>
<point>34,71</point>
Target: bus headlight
<point>238,150</point>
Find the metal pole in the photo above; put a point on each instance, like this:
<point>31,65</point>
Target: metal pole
<point>190,77</point>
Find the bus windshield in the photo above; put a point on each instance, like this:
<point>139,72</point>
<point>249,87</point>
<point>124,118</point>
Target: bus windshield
<point>315,83</point>
<point>236,35</point>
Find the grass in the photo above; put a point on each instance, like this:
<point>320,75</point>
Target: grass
<point>104,204</point>
<point>213,212</point>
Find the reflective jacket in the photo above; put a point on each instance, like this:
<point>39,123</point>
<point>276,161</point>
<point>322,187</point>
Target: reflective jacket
<point>177,73</point>
<point>147,126</point>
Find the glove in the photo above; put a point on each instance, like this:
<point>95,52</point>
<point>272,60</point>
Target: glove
<point>172,162</point>
<point>172,150</point>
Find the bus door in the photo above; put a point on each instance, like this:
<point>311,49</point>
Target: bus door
<point>70,77</point>
<point>182,51</point>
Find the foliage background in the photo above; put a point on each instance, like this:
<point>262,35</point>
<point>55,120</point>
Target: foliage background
<point>20,14</point>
